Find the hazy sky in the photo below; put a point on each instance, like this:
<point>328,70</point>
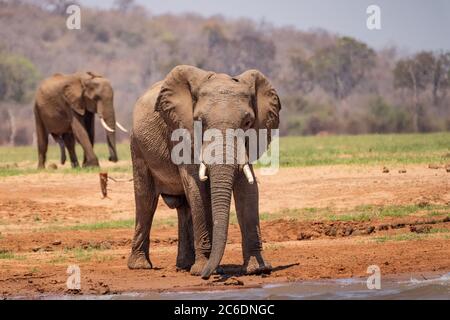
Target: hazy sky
<point>410,24</point>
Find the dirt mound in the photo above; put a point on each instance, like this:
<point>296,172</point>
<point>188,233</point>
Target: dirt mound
<point>286,230</point>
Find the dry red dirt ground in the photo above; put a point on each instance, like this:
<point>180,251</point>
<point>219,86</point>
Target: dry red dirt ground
<point>37,244</point>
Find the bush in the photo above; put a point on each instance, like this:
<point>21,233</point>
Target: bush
<point>383,117</point>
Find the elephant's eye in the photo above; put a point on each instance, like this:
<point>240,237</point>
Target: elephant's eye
<point>247,124</point>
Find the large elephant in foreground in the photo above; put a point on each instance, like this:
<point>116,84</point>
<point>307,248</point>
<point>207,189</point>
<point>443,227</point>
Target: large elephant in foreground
<point>65,106</point>
<point>200,192</point>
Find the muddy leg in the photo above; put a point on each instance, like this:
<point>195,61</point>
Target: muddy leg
<point>146,201</point>
<point>186,251</point>
<point>247,210</point>
<point>197,194</point>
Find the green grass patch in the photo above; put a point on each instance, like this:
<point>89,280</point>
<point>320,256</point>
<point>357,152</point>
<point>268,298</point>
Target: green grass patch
<point>439,230</point>
<point>114,224</point>
<point>376,149</point>
<point>18,154</point>
<point>5,254</point>
<point>8,255</point>
<point>358,214</point>
<point>401,237</point>
<point>58,259</point>
<point>84,255</point>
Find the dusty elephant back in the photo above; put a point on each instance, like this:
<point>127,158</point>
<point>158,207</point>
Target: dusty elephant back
<point>51,106</point>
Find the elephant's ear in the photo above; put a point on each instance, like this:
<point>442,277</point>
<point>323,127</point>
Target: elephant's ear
<point>177,97</point>
<point>266,102</point>
<point>73,94</point>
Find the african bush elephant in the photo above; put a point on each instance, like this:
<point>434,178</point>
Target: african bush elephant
<point>65,106</point>
<point>221,102</point>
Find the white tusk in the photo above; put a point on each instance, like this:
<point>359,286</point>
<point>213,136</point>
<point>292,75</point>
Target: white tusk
<point>121,127</point>
<point>248,174</point>
<point>202,172</point>
<point>105,125</point>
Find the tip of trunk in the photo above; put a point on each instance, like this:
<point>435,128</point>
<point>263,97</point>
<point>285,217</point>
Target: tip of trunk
<point>207,271</point>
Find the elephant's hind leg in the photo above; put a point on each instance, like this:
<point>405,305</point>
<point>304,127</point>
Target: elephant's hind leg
<point>186,251</point>
<point>69,141</point>
<point>59,140</point>
<point>146,201</point>
<point>42,139</point>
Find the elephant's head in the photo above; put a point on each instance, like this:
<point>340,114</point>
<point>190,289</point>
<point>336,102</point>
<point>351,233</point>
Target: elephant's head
<point>93,93</point>
<point>219,102</point>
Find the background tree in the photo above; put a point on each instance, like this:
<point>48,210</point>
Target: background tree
<point>313,71</point>
<point>339,68</point>
<point>441,76</point>
<point>415,74</point>
<point>302,78</point>
<point>18,79</point>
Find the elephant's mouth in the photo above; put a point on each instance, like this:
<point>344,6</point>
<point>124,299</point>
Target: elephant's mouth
<point>202,171</point>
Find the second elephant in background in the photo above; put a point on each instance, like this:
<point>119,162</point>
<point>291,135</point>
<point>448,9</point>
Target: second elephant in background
<point>65,107</point>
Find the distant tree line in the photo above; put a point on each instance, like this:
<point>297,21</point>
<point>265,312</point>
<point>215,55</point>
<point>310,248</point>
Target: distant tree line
<point>328,84</point>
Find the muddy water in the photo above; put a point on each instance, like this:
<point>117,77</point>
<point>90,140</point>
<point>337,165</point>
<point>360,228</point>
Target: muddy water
<point>413,288</point>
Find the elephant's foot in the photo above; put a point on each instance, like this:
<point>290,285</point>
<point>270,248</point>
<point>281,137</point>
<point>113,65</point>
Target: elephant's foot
<point>185,262</point>
<point>197,267</point>
<point>91,163</point>
<point>75,164</point>
<point>256,265</point>
<point>41,167</point>
<point>139,261</point>
<point>113,159</point>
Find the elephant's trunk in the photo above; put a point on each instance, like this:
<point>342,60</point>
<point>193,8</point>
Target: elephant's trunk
<point>111,141</point>
<point>107,113</point>
<point>222,179</point>
<point>222,175</point>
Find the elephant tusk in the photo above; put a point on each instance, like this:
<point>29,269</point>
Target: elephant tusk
<point>248,174</point>
<point>121,127</point>
<point>105,125</point>
<point>202,172</point>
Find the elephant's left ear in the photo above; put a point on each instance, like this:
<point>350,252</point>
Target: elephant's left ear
<point>266,101</point>
<point>73,94</point>
<point>177,97</point>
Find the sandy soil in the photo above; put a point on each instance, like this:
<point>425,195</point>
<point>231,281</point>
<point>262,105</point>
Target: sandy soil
<point>36,249</point>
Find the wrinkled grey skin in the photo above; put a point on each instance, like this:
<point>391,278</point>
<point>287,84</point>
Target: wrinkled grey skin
<point>221,102</point>
<point>65,107</point>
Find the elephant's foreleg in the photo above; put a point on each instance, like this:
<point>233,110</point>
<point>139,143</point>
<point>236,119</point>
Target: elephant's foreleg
<point>247,209</point>
<point>186,251</point>
<point>146,201</point>
<point>42,140</point>
<point>83,138</point>
<point>69,141</point>
<point>89,124</point>
<point>198,196</point>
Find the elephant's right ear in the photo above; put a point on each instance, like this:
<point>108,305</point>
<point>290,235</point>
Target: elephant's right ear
<point>177,97</point>
<point>73,94</point>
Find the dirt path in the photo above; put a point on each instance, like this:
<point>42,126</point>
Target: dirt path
<point>37,245</point>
